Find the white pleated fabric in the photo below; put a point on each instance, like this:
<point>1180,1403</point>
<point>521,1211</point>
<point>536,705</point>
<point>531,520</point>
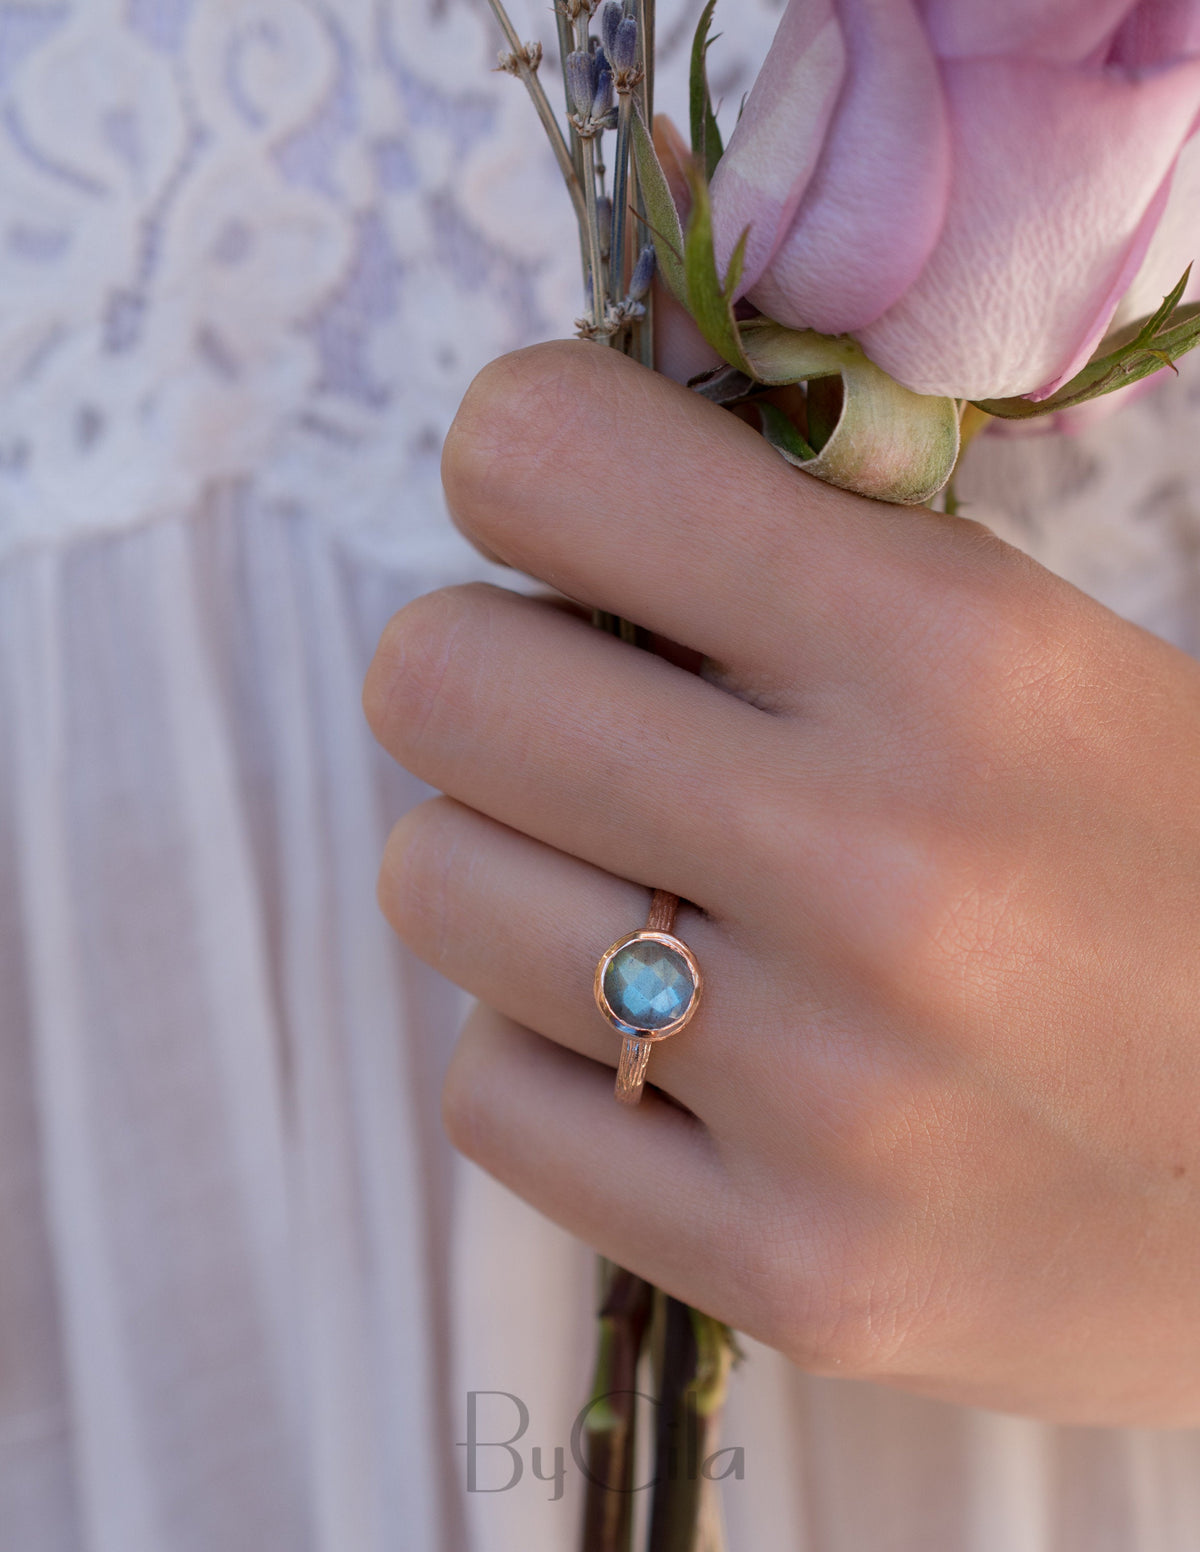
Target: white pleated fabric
<point>251,253</point>
<point>222,1179</point>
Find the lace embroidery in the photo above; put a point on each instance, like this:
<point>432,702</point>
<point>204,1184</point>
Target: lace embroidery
<point>259,240</point>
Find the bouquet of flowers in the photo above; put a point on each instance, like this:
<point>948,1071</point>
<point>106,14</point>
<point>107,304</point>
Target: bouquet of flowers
<point>927,221</point>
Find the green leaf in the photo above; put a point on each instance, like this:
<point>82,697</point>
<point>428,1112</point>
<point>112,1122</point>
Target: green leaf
<point>706,136</point>
<point>661,216</point>
<point>709,299</point>
<point>782,434</point>
<point>888,443</point>
<point>1134,353</point>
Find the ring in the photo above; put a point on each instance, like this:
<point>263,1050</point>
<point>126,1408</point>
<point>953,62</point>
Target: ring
<point>647,987</point>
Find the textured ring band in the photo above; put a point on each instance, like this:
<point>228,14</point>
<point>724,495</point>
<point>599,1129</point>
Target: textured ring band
<point>647,987</point>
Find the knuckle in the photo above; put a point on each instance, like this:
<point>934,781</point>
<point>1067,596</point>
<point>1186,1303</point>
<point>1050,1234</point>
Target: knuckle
<point>863,1318</point>
<point>834,1306</point>
<point>766,816</point>
<point>933,913</point>
<point>522,415</point>
<point>999,645</point>
<point>767,1264</point>
<point>421,672</point>
<point>941,922</point>
<point>845,1274</point>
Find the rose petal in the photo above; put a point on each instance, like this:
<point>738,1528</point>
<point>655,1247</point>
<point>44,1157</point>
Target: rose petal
<point>1157,32</point>
<point>1105,308</point>
<point>773,150</point>
<point>873,210</point>
<point>1068,31</point>
<point>1055,170</point>
<point>1168,240</point>
<point>1175,244</point>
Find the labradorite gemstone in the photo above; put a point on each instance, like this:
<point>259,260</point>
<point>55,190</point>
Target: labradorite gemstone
<point>648,985</point>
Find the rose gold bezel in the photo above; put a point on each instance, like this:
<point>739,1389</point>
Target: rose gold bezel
<point>645,935</point>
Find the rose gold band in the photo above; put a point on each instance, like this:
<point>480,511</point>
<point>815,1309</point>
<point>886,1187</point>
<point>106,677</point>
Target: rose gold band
<point>662,912</point>
<point>635,1053</point>
<point>631,1069</point>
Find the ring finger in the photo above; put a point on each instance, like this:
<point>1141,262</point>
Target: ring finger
<point>521,926</point>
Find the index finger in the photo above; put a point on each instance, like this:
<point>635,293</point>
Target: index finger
<point>634,495</point>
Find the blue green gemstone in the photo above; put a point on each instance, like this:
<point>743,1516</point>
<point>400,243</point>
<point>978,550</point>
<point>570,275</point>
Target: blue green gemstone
<point>648,985</point>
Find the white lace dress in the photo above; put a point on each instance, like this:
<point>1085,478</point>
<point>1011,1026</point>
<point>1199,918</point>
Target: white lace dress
<point>252,251</point>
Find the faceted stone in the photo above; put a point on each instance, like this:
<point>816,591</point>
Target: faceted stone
<point>648,985</point>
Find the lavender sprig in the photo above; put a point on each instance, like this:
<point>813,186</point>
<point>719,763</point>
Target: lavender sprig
<point>621,34</point>
<point>596,70</point>
<point>522,60</point>
<point>590,94</point>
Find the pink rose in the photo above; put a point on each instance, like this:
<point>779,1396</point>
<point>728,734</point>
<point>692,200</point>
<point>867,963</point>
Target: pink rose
<point>975,189</point>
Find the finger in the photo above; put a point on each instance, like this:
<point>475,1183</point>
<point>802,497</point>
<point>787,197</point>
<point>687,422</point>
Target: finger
<point>521,927</point>
<point>636,496</point>
<point>642,1184</point>
<point>579,740</point>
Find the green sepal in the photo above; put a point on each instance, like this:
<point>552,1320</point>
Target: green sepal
<point>661,216</point>
<point>1136,351</point>
<point>707,146</point>
<point>888,443</point>
<point>709,299</point>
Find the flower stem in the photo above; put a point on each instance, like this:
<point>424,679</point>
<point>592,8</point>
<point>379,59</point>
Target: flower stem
<point>611,1426</point>
<point>616,262</point>
<point>545,112</point>
<point>695,1356</point>
<point>595,261</point>
<point>645,21</point>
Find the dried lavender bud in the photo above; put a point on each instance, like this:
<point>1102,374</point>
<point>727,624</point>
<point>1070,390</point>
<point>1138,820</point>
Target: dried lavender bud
<point>643,274</point>
<point>580,84</point>
<point>530,54</point>
<point>623,50</point>
<point>602,101</point>
<point>611,15</point>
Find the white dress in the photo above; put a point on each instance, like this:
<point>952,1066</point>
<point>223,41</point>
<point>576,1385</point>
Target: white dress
<point>252,252</point>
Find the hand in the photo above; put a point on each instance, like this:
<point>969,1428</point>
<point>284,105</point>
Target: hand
<point>937,815</point>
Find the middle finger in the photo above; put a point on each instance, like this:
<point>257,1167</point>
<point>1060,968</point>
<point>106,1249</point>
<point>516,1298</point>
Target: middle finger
<point>598,749</point>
